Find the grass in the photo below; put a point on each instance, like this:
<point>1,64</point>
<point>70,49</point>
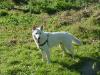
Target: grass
<point>20,56</point>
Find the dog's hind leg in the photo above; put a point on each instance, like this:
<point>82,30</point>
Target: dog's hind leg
<point>68,47</point>
<point>63,48</point>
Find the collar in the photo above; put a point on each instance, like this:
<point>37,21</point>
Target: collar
<point>46,41</point>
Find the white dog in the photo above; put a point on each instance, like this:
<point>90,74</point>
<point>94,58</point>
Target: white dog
<point>46,40</point>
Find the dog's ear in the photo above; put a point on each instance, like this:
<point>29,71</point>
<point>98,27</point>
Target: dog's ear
<point>34,27</point>
<point>41,27</point>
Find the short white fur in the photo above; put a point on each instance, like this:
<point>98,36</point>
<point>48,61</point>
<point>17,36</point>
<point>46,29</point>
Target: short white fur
<point>64,39</point>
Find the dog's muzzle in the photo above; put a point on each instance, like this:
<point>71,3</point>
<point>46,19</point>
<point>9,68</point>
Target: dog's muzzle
<point>37,39</point>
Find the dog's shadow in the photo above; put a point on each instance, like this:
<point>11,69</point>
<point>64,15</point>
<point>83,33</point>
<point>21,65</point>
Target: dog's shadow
<point>85,66</point>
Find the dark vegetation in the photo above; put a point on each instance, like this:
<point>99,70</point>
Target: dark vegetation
<point>48,6</point>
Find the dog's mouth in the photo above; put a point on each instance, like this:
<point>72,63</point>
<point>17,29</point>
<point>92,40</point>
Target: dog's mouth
<point>37,39</point>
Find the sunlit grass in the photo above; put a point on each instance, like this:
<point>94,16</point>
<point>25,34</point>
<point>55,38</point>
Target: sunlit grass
<point>20,56</point>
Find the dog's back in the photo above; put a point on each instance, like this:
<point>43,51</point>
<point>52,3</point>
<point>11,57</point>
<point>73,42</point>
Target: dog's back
<point>56,38</point>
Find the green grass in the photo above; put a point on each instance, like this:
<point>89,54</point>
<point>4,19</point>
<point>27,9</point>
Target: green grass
<point>20,56</point>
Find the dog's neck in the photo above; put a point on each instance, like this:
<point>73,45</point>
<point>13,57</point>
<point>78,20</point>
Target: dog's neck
<point>42,41</point>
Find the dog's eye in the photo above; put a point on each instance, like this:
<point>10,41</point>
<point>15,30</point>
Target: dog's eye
<point>36,33</point>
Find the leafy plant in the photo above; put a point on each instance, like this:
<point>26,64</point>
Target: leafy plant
<point>3,13</point>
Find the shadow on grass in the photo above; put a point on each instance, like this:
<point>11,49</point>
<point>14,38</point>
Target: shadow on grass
<point>85,66</point>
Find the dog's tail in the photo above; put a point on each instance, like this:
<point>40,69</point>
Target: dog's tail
<point>76,40</point>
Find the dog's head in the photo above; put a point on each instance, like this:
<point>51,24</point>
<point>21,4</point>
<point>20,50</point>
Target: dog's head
<point>37,32</point>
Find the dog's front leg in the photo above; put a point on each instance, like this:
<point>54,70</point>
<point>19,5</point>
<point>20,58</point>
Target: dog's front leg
<point>43,55</point>
<point>48,55</point>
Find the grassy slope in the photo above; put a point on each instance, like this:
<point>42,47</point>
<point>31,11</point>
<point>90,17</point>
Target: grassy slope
<point>18,52</point>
